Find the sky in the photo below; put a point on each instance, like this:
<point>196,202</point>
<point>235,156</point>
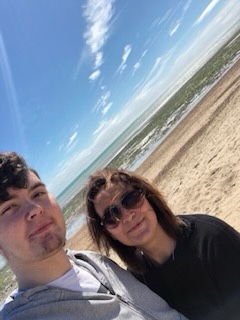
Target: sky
<point>74,74</point>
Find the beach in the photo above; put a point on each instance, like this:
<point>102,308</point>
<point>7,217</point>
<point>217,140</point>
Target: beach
<point>197,167</point>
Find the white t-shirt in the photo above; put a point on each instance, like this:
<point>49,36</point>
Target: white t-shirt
<point>76,279</point>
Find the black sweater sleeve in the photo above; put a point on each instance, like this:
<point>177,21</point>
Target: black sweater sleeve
<point>223,259</point>
<point>219,249</point>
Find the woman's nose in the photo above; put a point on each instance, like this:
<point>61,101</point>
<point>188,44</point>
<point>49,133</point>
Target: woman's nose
<point>128,214</point>
<point>33,210</point>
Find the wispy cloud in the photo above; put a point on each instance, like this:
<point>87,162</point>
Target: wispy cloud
<point>136,67</point>
<point>153,77</point>
<point>98,14</point>
<point>11,95</point>
<point>93,76</point>
<point>106,108</point>
<point>103,103</point>
<point>126,52</point>
<point>138,64</point>
<point>173,29</point>
<point>157,22</point>
<point>149,89</point>
<point>71,139</point>
<point>208,9</point>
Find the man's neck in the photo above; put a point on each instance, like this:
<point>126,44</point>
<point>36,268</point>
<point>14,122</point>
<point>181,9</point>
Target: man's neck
<point>42,272</point>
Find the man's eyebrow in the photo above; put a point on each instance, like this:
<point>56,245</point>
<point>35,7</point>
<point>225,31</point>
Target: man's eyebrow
<point>11,197</point>
<point>33,187</point>
<point>36,185</point>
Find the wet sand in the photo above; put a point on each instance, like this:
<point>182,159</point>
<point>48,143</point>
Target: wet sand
<point>197,167</point>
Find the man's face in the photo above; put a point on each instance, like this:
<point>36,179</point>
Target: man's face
<point>32,226</point>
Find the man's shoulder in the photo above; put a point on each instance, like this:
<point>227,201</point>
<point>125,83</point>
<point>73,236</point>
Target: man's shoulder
<point>86,255</point>
<point>92,259</point>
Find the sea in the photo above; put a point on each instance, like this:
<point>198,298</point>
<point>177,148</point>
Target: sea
<point>100,162</point>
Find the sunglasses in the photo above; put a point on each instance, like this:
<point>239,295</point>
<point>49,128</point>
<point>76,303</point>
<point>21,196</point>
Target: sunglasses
<point>130,200</point>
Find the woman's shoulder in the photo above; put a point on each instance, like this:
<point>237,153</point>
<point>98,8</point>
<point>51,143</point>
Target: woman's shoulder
<point>209,225</point>
<point>201,219</point>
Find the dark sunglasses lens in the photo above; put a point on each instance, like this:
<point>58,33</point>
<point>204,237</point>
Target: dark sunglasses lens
<point>111,217</point>
<point>132,199</point>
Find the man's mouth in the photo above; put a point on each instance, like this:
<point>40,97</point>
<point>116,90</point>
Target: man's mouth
<point>40,228</point>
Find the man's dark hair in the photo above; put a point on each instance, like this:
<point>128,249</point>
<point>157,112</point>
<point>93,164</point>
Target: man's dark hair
<point>13,173</point>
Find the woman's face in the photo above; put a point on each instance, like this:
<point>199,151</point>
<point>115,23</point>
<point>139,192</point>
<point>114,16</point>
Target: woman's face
<point>137,225</point>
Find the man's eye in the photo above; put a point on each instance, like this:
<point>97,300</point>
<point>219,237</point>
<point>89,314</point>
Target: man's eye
<point>39,194</point>
<point>7,209</point>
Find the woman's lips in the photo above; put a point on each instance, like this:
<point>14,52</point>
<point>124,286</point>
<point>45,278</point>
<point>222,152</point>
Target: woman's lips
<point>136,226</point>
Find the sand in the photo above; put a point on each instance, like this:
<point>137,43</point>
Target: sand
<point>197,167</point>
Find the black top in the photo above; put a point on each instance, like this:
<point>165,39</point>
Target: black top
<point>202,277</point>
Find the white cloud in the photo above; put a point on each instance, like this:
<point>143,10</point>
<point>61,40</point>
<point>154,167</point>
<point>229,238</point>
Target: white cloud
<point>102,101</point>
<point>138,64</point>
<point>187,5</point>
<point>69,168</point>
<point>162,75</point>
<point>71,139</point>
<point>211,36</point>
<point>208,9</point>
<point>94,75</point>
<point>136,67</point>
<point>99,60</point>
<point>176,25</point>
<point>174,29</point>
<point>106,108</point>
<point>11,96</point>
<point>98,14</point>
<point>157,22</point>
<point>102,124</point>
<point>126,52</point>
<point>153,77</point>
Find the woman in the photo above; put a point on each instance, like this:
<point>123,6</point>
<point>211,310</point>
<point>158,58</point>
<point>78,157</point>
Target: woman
<point>192,261</point>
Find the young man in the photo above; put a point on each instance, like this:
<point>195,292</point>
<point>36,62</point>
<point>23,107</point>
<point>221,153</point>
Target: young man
<point>54,283</point>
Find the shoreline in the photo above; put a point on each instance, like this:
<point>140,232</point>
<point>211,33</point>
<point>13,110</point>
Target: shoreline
<point>197,166</point>
<point>190,166</point>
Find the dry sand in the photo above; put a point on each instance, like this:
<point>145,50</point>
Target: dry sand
<point>197,167</point>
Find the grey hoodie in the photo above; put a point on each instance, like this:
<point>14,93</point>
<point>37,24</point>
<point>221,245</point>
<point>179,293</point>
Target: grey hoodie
<point>126,297</point>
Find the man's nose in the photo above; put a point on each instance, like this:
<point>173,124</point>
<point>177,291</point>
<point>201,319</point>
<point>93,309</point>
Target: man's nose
<point>33,210</point>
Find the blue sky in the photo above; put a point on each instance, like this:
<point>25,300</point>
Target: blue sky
<point>74,73</point>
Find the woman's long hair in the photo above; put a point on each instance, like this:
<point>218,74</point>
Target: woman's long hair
<point>103,180</point>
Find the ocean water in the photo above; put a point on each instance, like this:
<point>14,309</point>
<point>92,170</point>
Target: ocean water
<point>70,191</point>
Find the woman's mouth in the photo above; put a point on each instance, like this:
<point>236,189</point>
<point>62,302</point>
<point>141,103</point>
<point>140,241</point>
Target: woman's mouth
<point>136,226</point>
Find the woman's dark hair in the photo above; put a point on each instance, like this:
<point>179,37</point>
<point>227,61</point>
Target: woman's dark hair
<point>103,180</point>
<point>13,173</point>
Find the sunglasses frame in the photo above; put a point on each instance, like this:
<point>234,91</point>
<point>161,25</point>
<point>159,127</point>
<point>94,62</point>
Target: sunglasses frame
<point>117,215</point>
